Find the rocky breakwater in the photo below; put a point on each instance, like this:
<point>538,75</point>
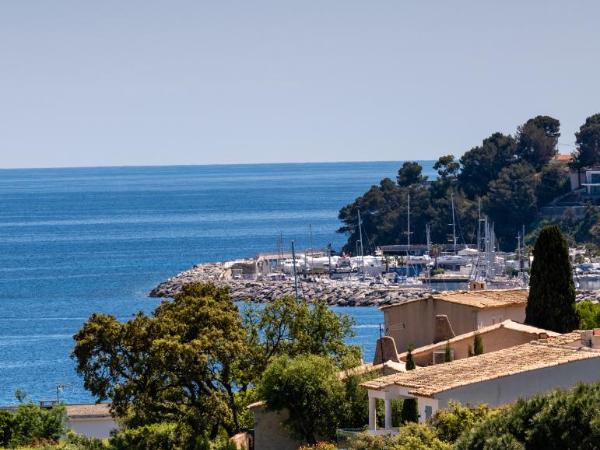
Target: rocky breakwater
<point>334,292</point>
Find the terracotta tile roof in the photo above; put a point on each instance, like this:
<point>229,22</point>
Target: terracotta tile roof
<point>563,157</point>
<point>509,324</point>
<point>88,410</point>
<point>485,299</point>
<point>431,380</point>
<point>489,298</point>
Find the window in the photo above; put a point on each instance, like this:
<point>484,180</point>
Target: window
<point>428,412</point>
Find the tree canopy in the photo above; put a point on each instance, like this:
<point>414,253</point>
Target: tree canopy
<point>310,389</point>
<point>195,360</point>
<point>588,142</point>
<point>511,176</point>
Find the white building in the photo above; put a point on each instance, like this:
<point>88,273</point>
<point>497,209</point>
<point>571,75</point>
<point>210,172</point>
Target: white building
<point>495,378</point>
<point>91,420</point>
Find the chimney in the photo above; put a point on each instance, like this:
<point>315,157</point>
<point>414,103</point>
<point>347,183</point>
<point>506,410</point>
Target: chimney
<point>596,338</point>
<point>442,329</point>
<point>385,350</point>
<point>477,285</point>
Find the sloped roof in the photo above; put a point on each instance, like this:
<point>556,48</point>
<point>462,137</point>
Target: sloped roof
<point>508,324</point>
<point>88,410</point>
<point>484,299</point>
<point>431,380</point>
<point>565,157</point>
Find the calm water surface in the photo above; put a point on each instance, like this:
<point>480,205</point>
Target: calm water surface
<point>77,241</point>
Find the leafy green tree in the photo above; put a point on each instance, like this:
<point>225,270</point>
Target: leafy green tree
<point>481,165</point>
<point>30,425</point>
<point>554,181</point>
<point>310,389</point>
<point>177,365</point>
<point>477,345</point>
<point>511,201</point>
<point>195,360</point>
<point>537,140</point>
<point>285,326</point>
<point>551,302</point>
<point>587,140</point>
<point>589,315</point>
<point>410,173</point>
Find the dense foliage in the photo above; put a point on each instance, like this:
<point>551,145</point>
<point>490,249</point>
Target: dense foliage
<point>410,437</point>
<point>558,420</point>
<point>551,300</point>
<point>310,388</point>
<point>512,177</point>
<point>196,360</point>
<point>31,425</point>
<point>589,315</point>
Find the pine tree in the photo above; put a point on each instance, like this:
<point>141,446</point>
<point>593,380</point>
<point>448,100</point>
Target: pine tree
<point>410,410</point>
<point>551,302</point>
<point>477,345</point>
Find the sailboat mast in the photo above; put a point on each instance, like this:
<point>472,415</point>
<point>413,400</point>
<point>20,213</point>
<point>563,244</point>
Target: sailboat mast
<point>295,272</point>
<point>362,250</point>
<point>453,223</point>
<point>478,225</point>
<point>408,235</point>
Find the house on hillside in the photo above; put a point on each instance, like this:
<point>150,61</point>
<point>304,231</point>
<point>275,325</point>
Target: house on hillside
<point>428,320</point>
<point>495,378</point>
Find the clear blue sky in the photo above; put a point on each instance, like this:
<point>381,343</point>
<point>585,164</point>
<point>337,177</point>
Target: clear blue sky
<point>85,83</point>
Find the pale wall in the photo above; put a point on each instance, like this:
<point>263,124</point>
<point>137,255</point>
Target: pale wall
<point>508,389</point>
<point>269,433</point>
<point>492,316</point>
<point>413,323</point>
<point>493,340</point>
<point>93,427</point>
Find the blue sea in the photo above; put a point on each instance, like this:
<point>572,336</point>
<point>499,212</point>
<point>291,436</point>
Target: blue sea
<point>78,241</point>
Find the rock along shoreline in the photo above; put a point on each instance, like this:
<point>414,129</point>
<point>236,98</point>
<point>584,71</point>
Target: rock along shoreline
<point>334,292</point>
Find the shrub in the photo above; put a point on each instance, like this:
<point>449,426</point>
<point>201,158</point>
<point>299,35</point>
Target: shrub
<point>450,423</point>
<point>160,436</point>
<point>31,425</point>
<point>410,437</point>
<point>589,314</point>
<point>319,446</point>
<point>558,420</point>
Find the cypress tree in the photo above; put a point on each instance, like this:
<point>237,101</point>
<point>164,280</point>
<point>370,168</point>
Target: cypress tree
<point>410,410</point>
<point>551,302</point>
<point>477,345</point>
<point>447,353</point>
<point>410,362</point>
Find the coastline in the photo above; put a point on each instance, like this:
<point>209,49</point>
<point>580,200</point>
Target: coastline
<point>334,292</point>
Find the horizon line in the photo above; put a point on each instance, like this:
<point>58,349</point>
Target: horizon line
<point>140,166</point>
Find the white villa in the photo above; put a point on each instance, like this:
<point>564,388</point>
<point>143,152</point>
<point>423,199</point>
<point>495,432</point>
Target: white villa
<point>494,378</point>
